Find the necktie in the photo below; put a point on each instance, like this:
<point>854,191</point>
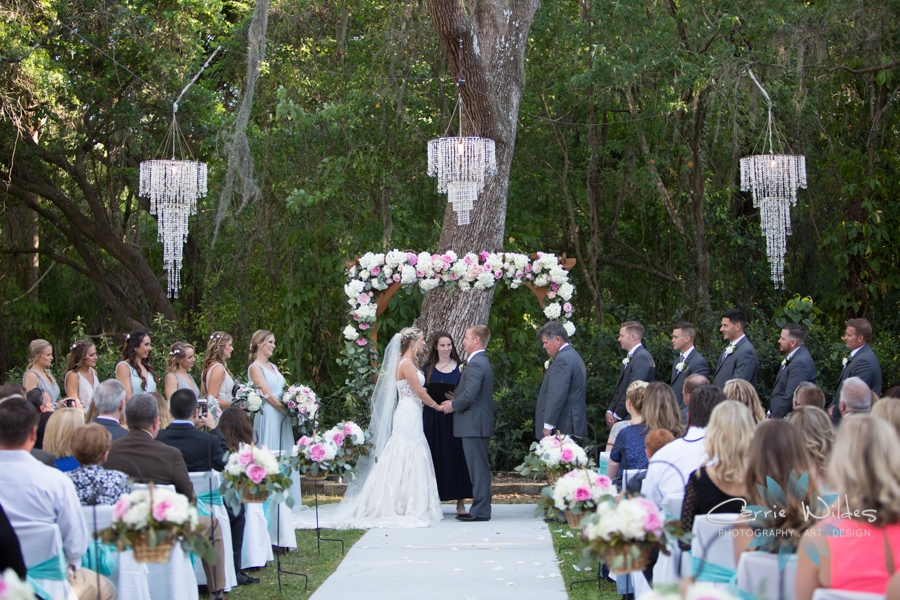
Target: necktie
<point>681,358</point>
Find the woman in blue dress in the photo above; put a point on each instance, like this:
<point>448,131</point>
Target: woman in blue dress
<point>441,376</point>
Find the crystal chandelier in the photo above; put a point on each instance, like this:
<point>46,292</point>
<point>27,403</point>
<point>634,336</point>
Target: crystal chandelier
<point>461,163</point>
<point>774,180</point>
<point>173,187</point>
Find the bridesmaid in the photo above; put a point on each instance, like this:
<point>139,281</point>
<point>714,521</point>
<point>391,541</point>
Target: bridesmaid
<point>180,361</point>
<point>441,376</point>
<point>38,375</point>
<point>217,382</point>
<point>81,378</point>
<point>134,370</point>
<point>272,427</point>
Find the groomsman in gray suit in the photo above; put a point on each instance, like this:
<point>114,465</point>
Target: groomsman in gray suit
<point>690,362</point>
<point>797,367</point>
<point>561,400</point>
<point>739,359</point>
<point>637,366</point>
<point>861,362</point>
<point>473,419</point>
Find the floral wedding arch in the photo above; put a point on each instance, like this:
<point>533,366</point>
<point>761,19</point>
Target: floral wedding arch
<point>374,278</point>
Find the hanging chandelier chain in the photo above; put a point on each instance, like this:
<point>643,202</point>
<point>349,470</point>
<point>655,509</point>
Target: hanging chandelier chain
<point>769,103</point>
<point>460,79</point>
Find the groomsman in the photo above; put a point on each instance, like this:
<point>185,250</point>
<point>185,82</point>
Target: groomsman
<point>797,367</point>
<point>861,362</point>
<point>690,362</point>
<point>739,359</point>
<point>637,366</point>
<point>473,419</point>
<point>561,400</point>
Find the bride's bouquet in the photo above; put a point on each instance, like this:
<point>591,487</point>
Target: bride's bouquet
<point>249,398</point>
<point>301,403</point>
<point>552,457</point>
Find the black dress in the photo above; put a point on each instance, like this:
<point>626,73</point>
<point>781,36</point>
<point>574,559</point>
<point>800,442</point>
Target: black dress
<point>446,450</point>
<point>701,497</point>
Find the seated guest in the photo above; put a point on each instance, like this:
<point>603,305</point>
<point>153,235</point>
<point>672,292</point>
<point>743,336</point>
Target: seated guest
<point>628,447</point>
<point>165,415</point>
<point>894,392</point>
<point>691,384</point>
<point>33,493</point>
<point>888,410</point>
<point>41,401</point>
<point>817,431</point>
<point>718,486</point>
<point>10,550</point>
<point>856,397</point>
<point>109,401</point>
<point>145,459</point>
<point>94,484</point>
<point>669,469</point>
<point>58,437</point>
<point>809,394</point>
<point>635,389</point>
<point>201,451</point>
<point>743,391</point>
<point>12,389</point>
<point>863,470</point>
<point>656,439</point>
<point>776,451</point>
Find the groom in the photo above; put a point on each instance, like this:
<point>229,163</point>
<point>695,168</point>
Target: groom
<point>473,421</point>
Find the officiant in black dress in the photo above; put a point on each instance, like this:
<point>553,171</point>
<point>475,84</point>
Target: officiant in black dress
<point>441,376</point>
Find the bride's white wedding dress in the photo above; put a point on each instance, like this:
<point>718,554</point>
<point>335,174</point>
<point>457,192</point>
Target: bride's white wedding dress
<point>400,489</point>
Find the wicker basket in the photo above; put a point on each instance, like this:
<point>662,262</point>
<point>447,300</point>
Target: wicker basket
<point>257,498</point>
<point>552,478</point>
<point>143,553</point>
<point>574,520</point>
<point>636,564</point>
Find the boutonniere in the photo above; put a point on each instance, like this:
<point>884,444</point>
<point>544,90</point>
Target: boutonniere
<point>729,349</point>
<point>625,361</point>
<point>846,360</point>
<point>680,367</point>
<point>547,364</point>
<point>785,361</point>
<point>461,367</point>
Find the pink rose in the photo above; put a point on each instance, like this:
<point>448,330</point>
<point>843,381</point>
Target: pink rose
<point>360,342</point>
<point>454,277</point>
<point>420,273</point>
<point>411,258</point>
<point>551,295</point>
<point>338,439</point>
<point>554,286</point>
<point>396,277</point>
<point>364,326</point>
<point>376,270</point>
<point>567,307</point>
<point>567,455</point>
<point>653,523</point>
<point>120,509</point>
<point>520,274</point>
<point>364,299</point>
<point>529,277</point>
<point>160,509</point>
<point>467,260</point>
<point>256,473</point>
<point>484,255</point>
<point>446,259</point>
<point>355,317</point>
<point>603,481</point>
<point>292,404</point>
<point>582,494</point>
<point>539,254</point>
<point>498,274</point>
<point>348,429</point>
<point>303,441</point>
<point>317,452</point>
<point>245,458</point>
<point>528,268</point>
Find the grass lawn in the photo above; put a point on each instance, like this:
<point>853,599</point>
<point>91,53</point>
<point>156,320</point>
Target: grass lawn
<point>564,544</point>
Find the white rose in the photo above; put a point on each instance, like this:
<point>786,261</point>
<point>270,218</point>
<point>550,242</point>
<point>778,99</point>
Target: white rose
<point>570,327</point>
<point>350,333</point>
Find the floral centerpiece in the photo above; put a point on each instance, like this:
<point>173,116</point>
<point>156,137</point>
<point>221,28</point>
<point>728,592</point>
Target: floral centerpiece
<point>553,456</point>
<point>251,474</point>
<point>334,451</point>
<point>249,398</point>
<point>577,492</point>
<point>301,403</point>
<point>624,532</point>
<point>13,588</point>
<point>151,521</point>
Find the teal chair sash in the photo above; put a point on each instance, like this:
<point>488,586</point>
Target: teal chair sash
<point>100,558</point>
<point>710,572</point>
<point>54,569</point>
<point>207,500</point>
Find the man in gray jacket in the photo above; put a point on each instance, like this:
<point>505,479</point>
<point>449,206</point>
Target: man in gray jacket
<point>473,419</point>
<point>561,400</point>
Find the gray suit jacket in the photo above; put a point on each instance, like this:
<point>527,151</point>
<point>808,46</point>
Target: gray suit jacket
<point>473,401</point>
<point>696,365</point>
<point>641,367</point>
<point>864,365</point>
<point>561,401</point>
<point>800,368</point>
<point>115,430</point>
<point>743,363</point>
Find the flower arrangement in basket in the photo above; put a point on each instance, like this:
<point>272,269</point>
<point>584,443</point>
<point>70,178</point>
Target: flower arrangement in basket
<point>151,521</point>
<point>352,439</point>
<point>301,403</point>
<point>334,451</point>
<point>252,474</point>
<point>13,588</point>
<point>624,532</point>
<point>553,456</point>
<point>249,398</point>
<point>577,492</point>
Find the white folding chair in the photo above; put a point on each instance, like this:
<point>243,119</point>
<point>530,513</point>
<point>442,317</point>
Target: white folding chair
<point>759,577</point>
<point>712,549</point>
<point>42,550</point>
<point>206,483</point>
<point>159,486</point>
<point>174,580</point>
<point>257,548</point>
<point>829,594</point>
<point>604,462</point>
<point>129,577</point>
<point>628,474</point>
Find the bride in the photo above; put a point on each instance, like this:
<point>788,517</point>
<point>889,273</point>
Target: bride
<point>395,486</point>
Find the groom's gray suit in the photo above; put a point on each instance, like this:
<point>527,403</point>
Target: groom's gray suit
<point>473,422</point>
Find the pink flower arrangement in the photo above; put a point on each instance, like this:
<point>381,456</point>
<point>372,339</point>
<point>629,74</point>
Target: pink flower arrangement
<point>256,473</point>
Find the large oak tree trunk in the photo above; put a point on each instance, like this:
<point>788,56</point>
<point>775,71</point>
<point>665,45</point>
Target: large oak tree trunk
<point>494,36</point>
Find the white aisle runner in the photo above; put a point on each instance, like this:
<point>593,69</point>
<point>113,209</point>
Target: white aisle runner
<point>510,556</point>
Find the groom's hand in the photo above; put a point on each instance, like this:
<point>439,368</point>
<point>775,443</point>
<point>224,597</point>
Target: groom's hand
<point>447,407</point>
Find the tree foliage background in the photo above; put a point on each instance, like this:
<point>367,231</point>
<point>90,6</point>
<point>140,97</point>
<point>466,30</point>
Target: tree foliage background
<point>632,122</point>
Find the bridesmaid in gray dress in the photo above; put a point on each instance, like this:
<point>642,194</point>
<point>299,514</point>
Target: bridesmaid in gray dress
<point>217,383</point>
<point>178,364</point>
<point>38,375</point>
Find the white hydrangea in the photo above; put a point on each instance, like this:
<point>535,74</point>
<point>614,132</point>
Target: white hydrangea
<point>254,402</point>
<point>459,268</point>
<point>408,274</point>
<point>379,284</point>
<point>565,291</point>
<point>369,261</point>
<point>484,281</point>
<point>424,264</point>
<point>350,333</point>
<point>541,280</point>
<point>357,435</point>
<point>266,459</point>
<point>366,311</point>
<point>570,327</point>
<point>395,258</point>
<point>553,310</point>
<point>354,288</point>
<point>558,274</point>
<point>495,261</point>
<point>428,284</point>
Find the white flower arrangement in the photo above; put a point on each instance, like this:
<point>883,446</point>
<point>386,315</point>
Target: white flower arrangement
<point>249,398</point>
<point>336,450</point>
<point>553,455</point>
<point>255,471</point>
<point>301,403</point>
<point>13,588</point>
<point>581,489</point>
